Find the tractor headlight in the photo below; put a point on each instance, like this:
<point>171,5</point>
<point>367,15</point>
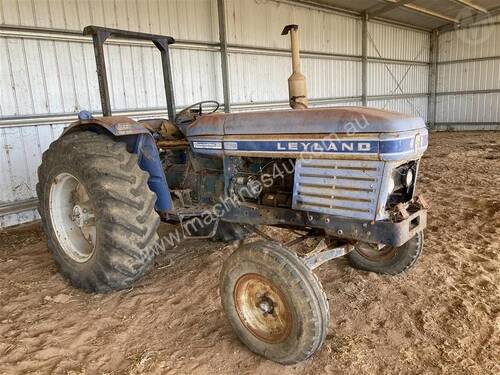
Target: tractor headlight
<point>403,177</point>
<point>408,177</point>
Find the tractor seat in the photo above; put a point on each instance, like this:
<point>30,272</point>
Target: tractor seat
<point>306,121</point>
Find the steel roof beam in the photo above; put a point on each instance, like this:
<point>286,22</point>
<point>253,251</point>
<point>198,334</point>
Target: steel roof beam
<point>470,5</point>
<point>380,9</point>
<point>471,20</point>
<point>429,13</point>
<point>407,4</point>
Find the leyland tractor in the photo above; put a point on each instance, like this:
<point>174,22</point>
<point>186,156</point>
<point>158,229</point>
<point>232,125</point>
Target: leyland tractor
<point>342,177</point>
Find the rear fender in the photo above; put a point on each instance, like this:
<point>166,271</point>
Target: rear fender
<point>140,141</point>
<point>115,125</point>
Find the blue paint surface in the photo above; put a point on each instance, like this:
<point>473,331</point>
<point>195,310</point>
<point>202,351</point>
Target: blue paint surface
<point>149,161</point>
<point>384,147</point>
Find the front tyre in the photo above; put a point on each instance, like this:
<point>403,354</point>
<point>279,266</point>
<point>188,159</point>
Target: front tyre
<point>274,302</point>
<point>387,260</point>
<point>97,211</point>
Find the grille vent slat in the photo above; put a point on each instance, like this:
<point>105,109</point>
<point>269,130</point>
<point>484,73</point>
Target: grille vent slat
<point>338,187</point>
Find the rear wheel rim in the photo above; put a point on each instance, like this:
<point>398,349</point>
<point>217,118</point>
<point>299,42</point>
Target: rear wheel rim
<point>72,217</point>
<point>262,308</point>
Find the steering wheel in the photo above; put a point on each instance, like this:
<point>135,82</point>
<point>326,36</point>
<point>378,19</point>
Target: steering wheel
<point>189,114</point>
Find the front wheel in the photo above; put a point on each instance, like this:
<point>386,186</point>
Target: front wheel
<point>388,259</point>
<point>274,302</point>
<point>97,211</point>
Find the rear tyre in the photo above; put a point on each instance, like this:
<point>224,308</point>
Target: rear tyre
<point>97,211</point>
<point>274,302</point>
<point>387,260</point>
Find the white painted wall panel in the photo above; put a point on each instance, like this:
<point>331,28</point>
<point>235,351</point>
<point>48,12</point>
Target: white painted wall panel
<point>54,77</point>
<point>474,75</point>
<point>18,218</point>
<point>20,154</point>
<point>469,109</point>
<point>470,43</point>
<point>284,105</point>
<point>399,43</point>
<point>413,106</point>
<point>183,19</point>
<point>261,78</point>
<point>394,79</point>
<point>259,23</point>
<point>197,76</point>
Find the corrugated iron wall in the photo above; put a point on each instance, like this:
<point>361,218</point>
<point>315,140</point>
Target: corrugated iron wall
<point>403,81</point>
<point>47,68</point>
<point>331,53</point>
<point>48,74</point>
<point>259,62</point>
<point>468,90</point>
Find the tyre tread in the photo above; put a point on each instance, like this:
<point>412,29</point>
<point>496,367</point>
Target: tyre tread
<point>126,209</point>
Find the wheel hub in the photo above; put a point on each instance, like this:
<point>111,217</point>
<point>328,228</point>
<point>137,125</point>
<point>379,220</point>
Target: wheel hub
<point>262,308</point>
<point>81,216</point>
<point>375,252</point>
<point>266,306</point>
<point>72,217</point>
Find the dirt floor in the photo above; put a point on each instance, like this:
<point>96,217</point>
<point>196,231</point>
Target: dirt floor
<point>443,317</point>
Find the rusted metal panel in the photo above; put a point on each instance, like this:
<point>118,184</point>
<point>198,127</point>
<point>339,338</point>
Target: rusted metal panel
<point>394,234</point>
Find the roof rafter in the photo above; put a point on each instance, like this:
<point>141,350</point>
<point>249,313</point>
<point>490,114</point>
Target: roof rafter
<point>404,4</point>
<point>471,20</point>
<point>380,9</point>
<point>470,5</point>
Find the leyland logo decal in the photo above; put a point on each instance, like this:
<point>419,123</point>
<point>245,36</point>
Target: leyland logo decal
<point>305,146</point>
<point>325,146</point>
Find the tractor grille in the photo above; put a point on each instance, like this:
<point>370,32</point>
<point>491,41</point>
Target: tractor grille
<point>338,187</point>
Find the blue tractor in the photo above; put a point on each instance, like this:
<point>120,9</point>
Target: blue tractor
<point>343,178</point>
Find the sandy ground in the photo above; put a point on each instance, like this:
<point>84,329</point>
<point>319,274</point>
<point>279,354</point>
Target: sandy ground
<point>443,317</point>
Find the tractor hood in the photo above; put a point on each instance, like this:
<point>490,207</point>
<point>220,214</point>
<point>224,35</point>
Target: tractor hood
<point>353,132</point>
<point>337,120</point>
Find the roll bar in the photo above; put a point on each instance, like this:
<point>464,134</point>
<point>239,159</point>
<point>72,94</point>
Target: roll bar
<point>99,36</point>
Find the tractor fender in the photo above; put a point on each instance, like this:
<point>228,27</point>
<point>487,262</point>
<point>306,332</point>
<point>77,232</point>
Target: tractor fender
<point>115,125</point>
<point>140,141</point>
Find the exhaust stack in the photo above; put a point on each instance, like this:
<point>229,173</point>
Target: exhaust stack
<point>297,86</point>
